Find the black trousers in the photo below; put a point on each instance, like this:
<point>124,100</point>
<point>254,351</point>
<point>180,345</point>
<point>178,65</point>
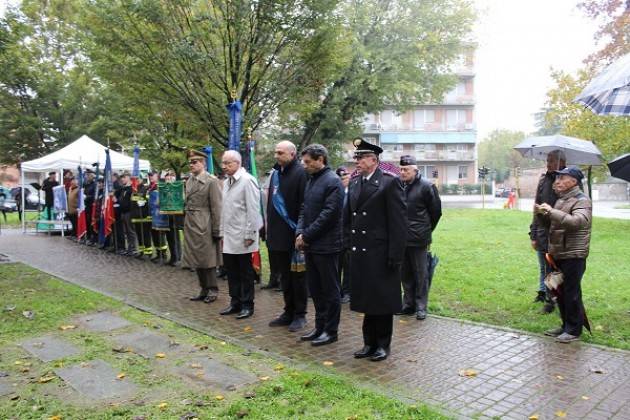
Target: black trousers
<point>277,260</point>
<point>159,243</point>
<point>143,233</point>
<point>208,281</point>
<point>344,272</point>
<point>48,208</point>
<point>377,330</point>
<point>240,279</point>
<point>570,299</point>
<point>73,222</point>
<point>415,279</point>
<point>321,275</point>
<point>173,240</point>
<point>118,231</point>
<point>294,290</point>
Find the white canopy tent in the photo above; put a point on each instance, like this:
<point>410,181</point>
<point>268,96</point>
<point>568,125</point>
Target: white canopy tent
<point>82,152</point>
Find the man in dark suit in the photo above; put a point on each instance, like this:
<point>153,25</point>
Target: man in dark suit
<point>47,187</point>
<point>375,225</point>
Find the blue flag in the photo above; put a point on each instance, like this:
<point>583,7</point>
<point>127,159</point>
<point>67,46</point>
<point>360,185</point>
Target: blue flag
<point>209,162</point>
<point>234,137</point>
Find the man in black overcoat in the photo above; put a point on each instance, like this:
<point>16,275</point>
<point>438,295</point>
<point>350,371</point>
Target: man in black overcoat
<point>375,225</point>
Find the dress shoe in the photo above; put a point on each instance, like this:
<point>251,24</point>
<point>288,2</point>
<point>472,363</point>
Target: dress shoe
<point>230,310</point>
<point>406,311</point>
<point>281,321</point>
<point>245,313</point>
<point>379,354</point>
<point>566,338</point>
<point>210,298</point>
<point>421,315</point>
<point>554,332</point>
<point>297,324</point>
<point>366,351</point>
<point>324,339</point>
<point>198,298</point>
<point>312,335</point>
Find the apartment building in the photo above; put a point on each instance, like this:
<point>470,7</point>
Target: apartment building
<point>441,136</point>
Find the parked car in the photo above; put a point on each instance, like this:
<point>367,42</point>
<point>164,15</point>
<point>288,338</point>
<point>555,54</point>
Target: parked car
<point>34,199</point>
<point>4,192</point>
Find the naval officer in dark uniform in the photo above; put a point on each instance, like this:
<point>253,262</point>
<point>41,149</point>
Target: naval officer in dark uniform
<point>375,225</point>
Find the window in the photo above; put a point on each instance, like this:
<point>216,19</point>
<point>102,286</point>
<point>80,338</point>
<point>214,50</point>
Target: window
<point>461,147</point>
<point>393,147</point>
<point>432,171</point>
<point>421,171</point>
<point>386,119</point>
<point>429,116</point>
<point>463,172</point>
<point>418,147</point>
<point>418,119</point>
<point>451,119</point>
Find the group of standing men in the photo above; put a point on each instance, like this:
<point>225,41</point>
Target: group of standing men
<point>381,222</point>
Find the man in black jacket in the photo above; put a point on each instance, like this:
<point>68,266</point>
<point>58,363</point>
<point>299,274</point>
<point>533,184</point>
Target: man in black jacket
<point>287,180</point>
<point>424,210</point>
<point>89,191</point>
<point>539,229</point>
<point>123,198</point>
<point>319,235</point>
<point>47,186</point>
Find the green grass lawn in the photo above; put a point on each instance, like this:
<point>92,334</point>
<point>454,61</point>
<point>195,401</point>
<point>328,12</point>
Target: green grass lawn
<point>13,219</point>
<point>488,273</point>
<point>288,393</point>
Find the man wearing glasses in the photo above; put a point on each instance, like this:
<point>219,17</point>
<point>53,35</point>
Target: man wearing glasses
<point>239,227</point>
<point>202,224</point>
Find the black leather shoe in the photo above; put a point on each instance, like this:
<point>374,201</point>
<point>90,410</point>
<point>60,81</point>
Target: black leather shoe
<point>245,313</point>
<point>230,310</point>
<point>421,315</point>
<point>200,297</point>
<point>311,336</point>
<point>379,354</point>
<point>366,351</point>
<point>324,339</point>
<point>281,321</point>
<point>406,311</point>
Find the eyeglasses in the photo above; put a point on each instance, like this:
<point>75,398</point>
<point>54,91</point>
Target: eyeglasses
<point>227,162</point>
<point>193,161</point>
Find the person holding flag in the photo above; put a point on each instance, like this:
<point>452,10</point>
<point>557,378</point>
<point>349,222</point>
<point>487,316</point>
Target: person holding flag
<point>73,203</point>
<point>81,228</point>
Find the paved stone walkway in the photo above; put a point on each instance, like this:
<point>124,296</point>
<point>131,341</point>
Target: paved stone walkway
<point>518,374</point>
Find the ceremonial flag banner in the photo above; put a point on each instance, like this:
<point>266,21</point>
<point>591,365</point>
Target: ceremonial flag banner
<point>209,163</point>
<point>135,173</point>
<point>171,197</point>
<point>107,207</point>
<point>60,198</point>
<point>234,137</point>
<point>81,222</point>
<point>256,259</point>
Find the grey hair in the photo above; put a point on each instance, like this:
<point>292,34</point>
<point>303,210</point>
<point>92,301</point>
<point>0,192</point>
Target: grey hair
<point>289,146</point>
<point>233,154</point>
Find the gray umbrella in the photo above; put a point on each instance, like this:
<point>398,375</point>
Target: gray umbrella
<point>577,151</point>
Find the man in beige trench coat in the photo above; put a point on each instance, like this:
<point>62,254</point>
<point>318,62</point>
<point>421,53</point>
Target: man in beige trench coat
<point>202,224</point>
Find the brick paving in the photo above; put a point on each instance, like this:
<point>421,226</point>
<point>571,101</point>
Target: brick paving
<point>519,374</point>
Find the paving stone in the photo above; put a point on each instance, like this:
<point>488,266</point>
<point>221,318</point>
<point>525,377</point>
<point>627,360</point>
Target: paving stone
<point>48,348</point>
<point>102,322</point>
<point>148,343</point>
<point>6,387</point>
<point>97,380</point>
<point>210,372</point>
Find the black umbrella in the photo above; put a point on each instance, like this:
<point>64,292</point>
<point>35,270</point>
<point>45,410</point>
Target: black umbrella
<point>432,262</point>
<point>620,167</point>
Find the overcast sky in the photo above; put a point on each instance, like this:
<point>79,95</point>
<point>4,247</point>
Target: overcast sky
<point>518,44</point>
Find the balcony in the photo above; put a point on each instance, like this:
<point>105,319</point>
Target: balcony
<point>430,155</point>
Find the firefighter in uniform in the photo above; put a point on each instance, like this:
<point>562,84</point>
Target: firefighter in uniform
<point>159,222</point>
<point>375,225</point>
<point>141,220</point>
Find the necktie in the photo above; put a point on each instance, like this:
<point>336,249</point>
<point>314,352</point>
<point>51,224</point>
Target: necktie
<point>231,180</point>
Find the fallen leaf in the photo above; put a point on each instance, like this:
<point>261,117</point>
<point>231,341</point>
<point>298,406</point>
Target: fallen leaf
<point>533,417</point>
<point>202,346</point>
<point>121,375</point>
<point>162,406</point>
<point>560,377</point>
<point>219,397</point>
<point>199,374</point>
<point>9,308</point>
<point>122,349</point>
<point>196,366</point>
<point>160,355</point>
<point>599,328</point>
<point>223,343</point>
<point>264,378</point>
<point>25,370</point>
<point>247,329</point>
<point>186,402</point>
<point>560,413</point>
<point>328,363</point>
<point>279,366</point>
<point>470,373</point>
<point>28,314</point>
<point>258,336</point>
<point>585,398</point>
<point>45,379</point>
<point>18,362</point>
<point>514,335</point>
<point>402,321</point>
<point>597,369</point>
<point>67,327</point>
